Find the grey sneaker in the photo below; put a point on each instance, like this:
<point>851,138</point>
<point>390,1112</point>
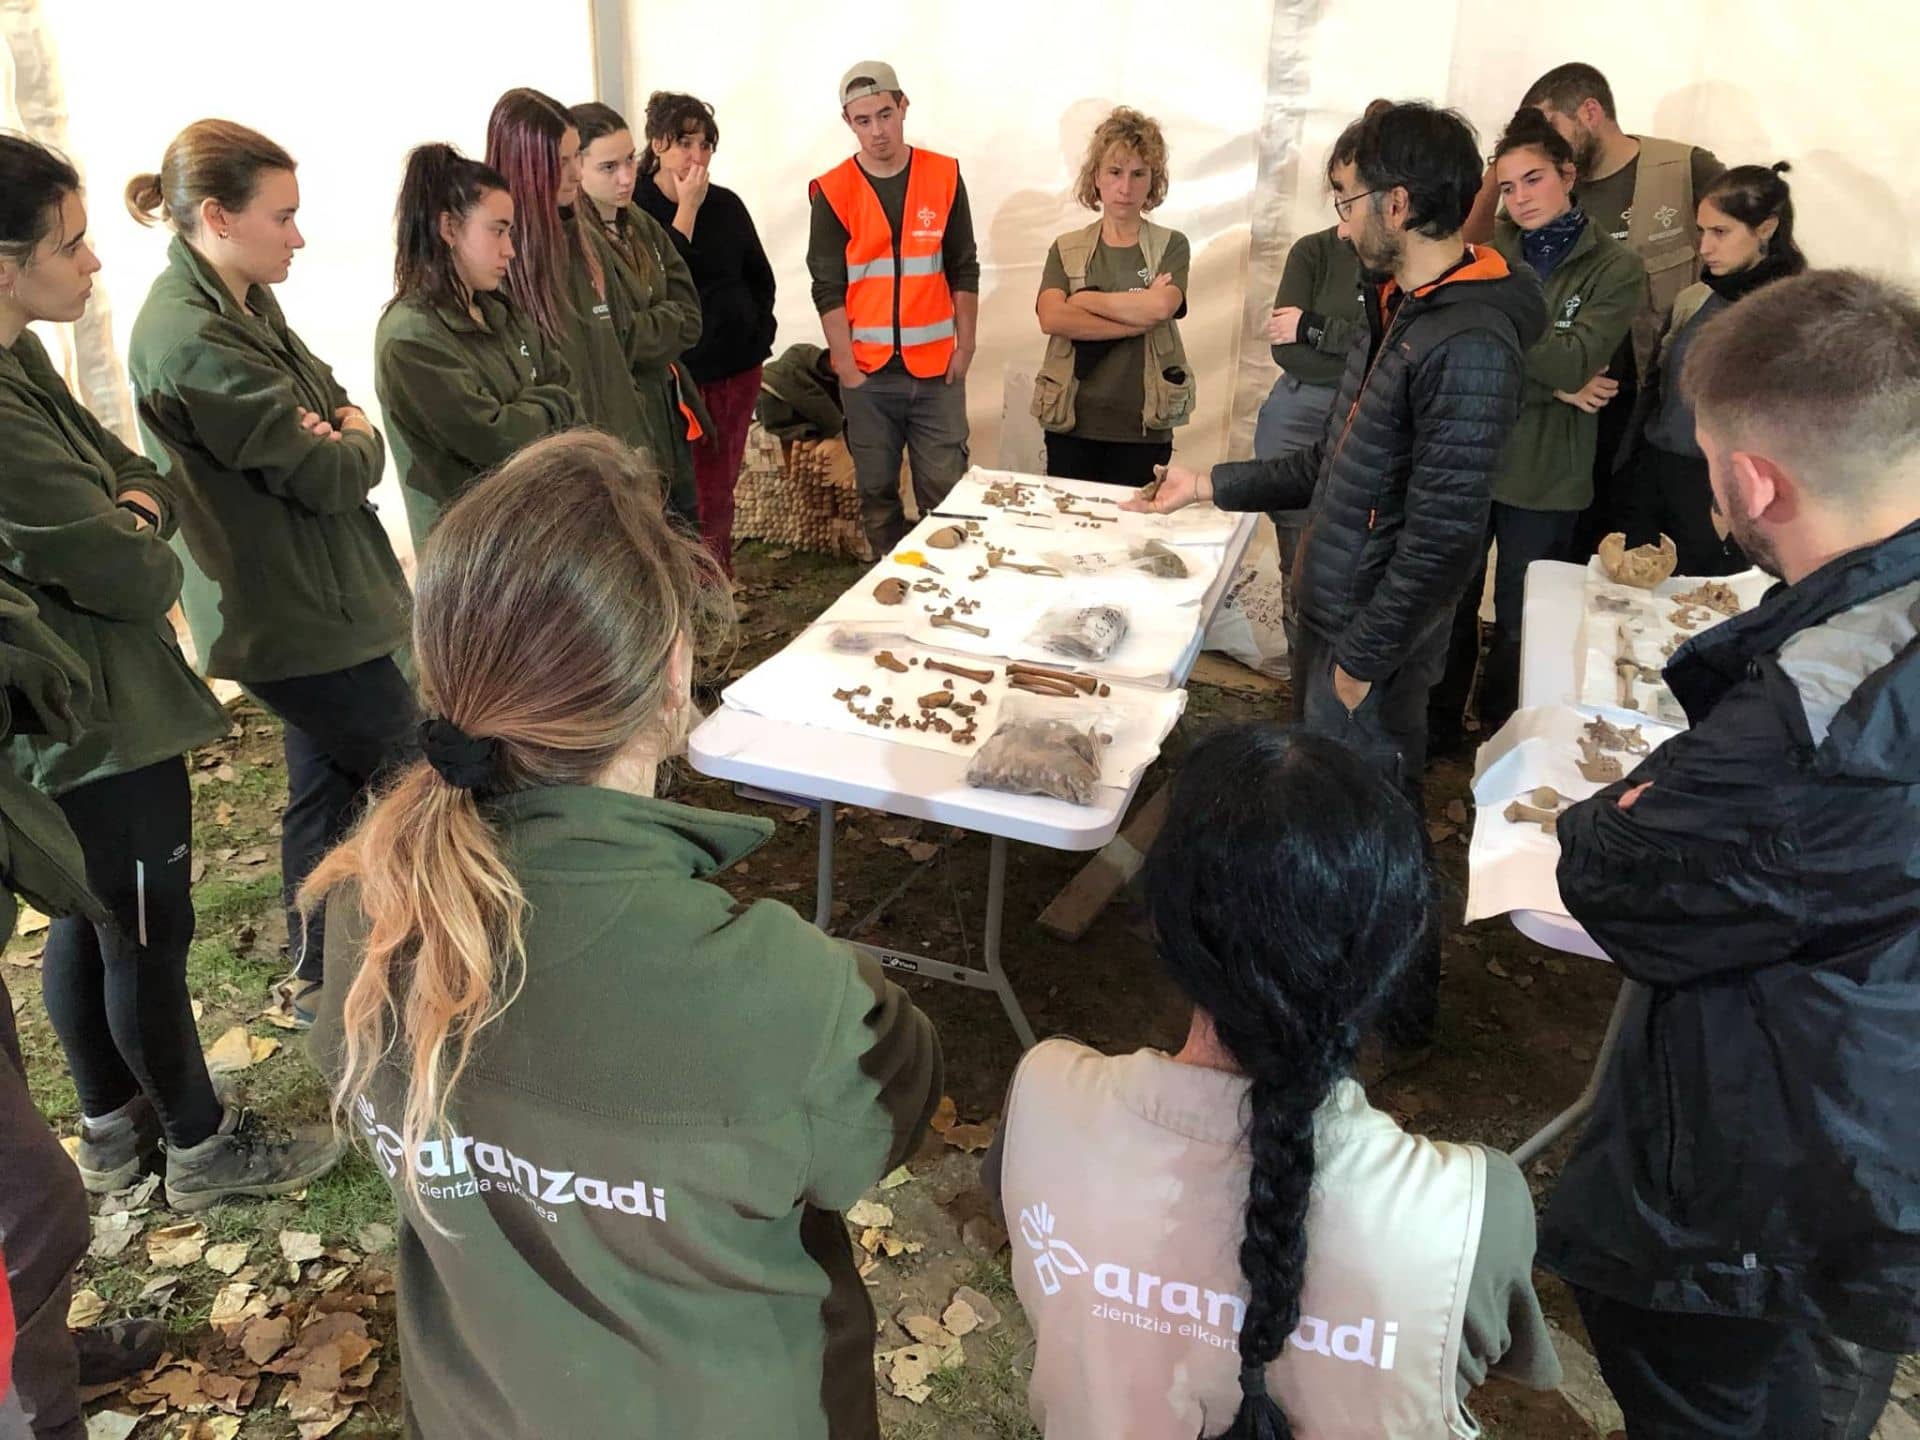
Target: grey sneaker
<point>248,1157</point>
<point>114,1148</point>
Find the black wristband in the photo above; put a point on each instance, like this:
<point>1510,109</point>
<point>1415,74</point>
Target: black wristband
<point>1313,327</point>
<point>142,511</point>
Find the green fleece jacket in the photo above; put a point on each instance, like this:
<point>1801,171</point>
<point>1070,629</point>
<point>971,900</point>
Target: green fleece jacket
<point>664,322</point>
<point>646,1157</point>
<point>44,690</point>
<point>101,582</point>
<point>288,571</point>
<point>1592,297</point>
<point>1322,277</point>
<point>459,396</point>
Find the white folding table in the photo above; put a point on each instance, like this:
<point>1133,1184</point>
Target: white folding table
<point>823,768</point>
<point>1549,639</point>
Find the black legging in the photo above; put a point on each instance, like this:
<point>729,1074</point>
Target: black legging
<point>117,992</point>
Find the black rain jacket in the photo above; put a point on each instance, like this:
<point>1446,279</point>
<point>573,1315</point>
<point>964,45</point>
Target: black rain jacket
<point>1398,518</point>
<point>1755,1147</point>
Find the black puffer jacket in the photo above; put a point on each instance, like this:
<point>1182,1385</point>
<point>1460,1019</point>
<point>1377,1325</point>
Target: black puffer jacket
<point>1755,1149</point>
<point>1405,470</point>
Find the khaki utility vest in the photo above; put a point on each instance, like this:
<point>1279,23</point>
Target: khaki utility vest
<point>1664,234</point>
<point>1169,400</point>
<point>1125,1179</point>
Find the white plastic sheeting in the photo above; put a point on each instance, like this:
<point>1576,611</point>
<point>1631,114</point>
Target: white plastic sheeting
<point>1250,92</point>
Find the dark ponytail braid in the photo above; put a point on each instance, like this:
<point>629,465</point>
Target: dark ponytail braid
<point>1287,892</point>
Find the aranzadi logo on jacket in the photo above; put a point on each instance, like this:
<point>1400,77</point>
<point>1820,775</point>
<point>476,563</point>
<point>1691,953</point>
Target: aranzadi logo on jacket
<point>461,1167</point>
<point>1155,1303</point>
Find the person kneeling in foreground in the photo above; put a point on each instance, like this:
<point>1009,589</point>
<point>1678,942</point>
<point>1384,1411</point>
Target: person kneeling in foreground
<point>1748,1187</point>
<point>1380,1275</point>
<point>619,1110</point>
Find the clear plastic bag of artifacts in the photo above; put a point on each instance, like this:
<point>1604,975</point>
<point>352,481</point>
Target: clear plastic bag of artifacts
<point>1045,747</point>
<point>1154,560</point>
<point>1081,632</point>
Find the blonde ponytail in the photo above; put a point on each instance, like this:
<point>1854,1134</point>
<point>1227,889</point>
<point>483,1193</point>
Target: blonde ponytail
<point>551,599</point>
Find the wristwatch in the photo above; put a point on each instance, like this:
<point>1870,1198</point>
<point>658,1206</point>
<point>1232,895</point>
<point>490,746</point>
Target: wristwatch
<point>142,511</point>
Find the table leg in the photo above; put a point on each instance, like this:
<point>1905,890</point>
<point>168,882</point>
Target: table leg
<point>1532,1148</point>
<point>823,873</point>
<point>996,905</point>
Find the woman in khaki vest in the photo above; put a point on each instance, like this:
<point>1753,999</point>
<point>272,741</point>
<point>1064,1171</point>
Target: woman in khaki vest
<point>1230,1240</point>
<point>1115,383</point>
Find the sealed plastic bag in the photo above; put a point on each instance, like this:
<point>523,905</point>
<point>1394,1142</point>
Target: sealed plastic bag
<point>1086,632</point>
<point>1041,748</point>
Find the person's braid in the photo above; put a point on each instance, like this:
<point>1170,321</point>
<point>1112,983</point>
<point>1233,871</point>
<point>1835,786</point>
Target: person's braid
<point>1290,1080</point>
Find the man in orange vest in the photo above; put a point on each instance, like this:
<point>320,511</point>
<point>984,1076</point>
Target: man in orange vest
<point>896,279</point>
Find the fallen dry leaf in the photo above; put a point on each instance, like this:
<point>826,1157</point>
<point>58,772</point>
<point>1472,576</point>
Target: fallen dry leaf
<point>110,1425</point>
<point>159,1290</point>
<point>255,856</point>
<point>175,1245</point>
<point>970,1138</point>
<point>225,774</point>
<point>113,1233</point>
<point>300,1246</point>
<point>986,1315</point>
<point>135,1197</point>
<point>26,960</point>
<point>197,870</point>
<point>212,1427</point>
<point>896,1178</point>
<point>31,921</point>
<point>945,1116</point>
<point>223,814</point>
<point>376,1236</point>
<point>869,1212</point>
<point>231,1052</point>
<point>263,1337</point>
<point>231,1304</point>
<point>228,1258</point>
<point>927,1330</point>
<point>84,1310</point>
<point>1457,811</point>
<point>1438,831</point>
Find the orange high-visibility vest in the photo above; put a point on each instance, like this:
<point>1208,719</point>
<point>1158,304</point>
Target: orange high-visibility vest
<point>919,285</point>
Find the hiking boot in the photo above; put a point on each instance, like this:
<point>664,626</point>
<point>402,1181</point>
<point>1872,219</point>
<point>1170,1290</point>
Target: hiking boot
<point>248,1157</point>
<point>115,1147</point>
<point>111,1353</point>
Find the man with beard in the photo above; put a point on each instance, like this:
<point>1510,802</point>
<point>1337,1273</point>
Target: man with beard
<point>1748,1186</point>
<point>1400,483</point>
<point>1642,191</point>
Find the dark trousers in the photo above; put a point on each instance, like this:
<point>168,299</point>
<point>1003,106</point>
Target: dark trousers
<point>1293,417</point>
<point>43,1230</point>
<point>1389,728</point>
<point>343,730</point>
<point>894,411</point>
<point>1111,462</point>
<point>1703,1377</point>
<point>1671,494</point>
<point>1855,1383</point>
<point>117,992</point>
<point>1607,513</point>
<point>1519,537</point>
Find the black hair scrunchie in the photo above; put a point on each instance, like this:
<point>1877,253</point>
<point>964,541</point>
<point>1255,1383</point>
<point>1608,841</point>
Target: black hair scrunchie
<point>1253,1381</point>
<point>458,758</point>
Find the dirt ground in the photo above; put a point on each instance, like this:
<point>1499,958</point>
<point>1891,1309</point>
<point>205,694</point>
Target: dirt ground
<point>1518,1028</point>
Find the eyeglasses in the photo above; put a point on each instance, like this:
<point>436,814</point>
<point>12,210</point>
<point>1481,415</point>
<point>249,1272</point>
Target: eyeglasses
<point>1343,204</point>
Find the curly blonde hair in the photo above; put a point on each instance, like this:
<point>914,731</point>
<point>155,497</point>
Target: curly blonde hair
<point>1130,130</point>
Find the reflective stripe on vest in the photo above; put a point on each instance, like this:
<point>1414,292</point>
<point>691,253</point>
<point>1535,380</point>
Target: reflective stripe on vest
<point>910,291</point>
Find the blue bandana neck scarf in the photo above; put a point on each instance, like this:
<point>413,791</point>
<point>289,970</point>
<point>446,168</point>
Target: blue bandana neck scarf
<point>1546,247</point>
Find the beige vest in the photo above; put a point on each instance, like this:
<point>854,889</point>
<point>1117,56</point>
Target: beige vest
<point>1663,232</point>
<point>1125,1179</point>
<point>1168,402</point>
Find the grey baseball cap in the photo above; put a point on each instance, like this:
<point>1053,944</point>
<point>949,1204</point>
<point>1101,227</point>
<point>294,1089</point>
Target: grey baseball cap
<point>868,77</point>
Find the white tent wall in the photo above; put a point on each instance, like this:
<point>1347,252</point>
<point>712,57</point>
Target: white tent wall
<point>1250,92</point>
<point>1013,90</point>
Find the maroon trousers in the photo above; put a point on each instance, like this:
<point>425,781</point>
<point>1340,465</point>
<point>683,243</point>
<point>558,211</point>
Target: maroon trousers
<point>716,458</point>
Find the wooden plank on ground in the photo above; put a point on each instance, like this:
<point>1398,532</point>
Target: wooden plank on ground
<point>1229,674</point>
<point>1071,911</point>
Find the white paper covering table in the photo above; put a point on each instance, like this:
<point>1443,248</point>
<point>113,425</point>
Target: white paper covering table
<point>831,767</point>
<point>1549,633</point>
